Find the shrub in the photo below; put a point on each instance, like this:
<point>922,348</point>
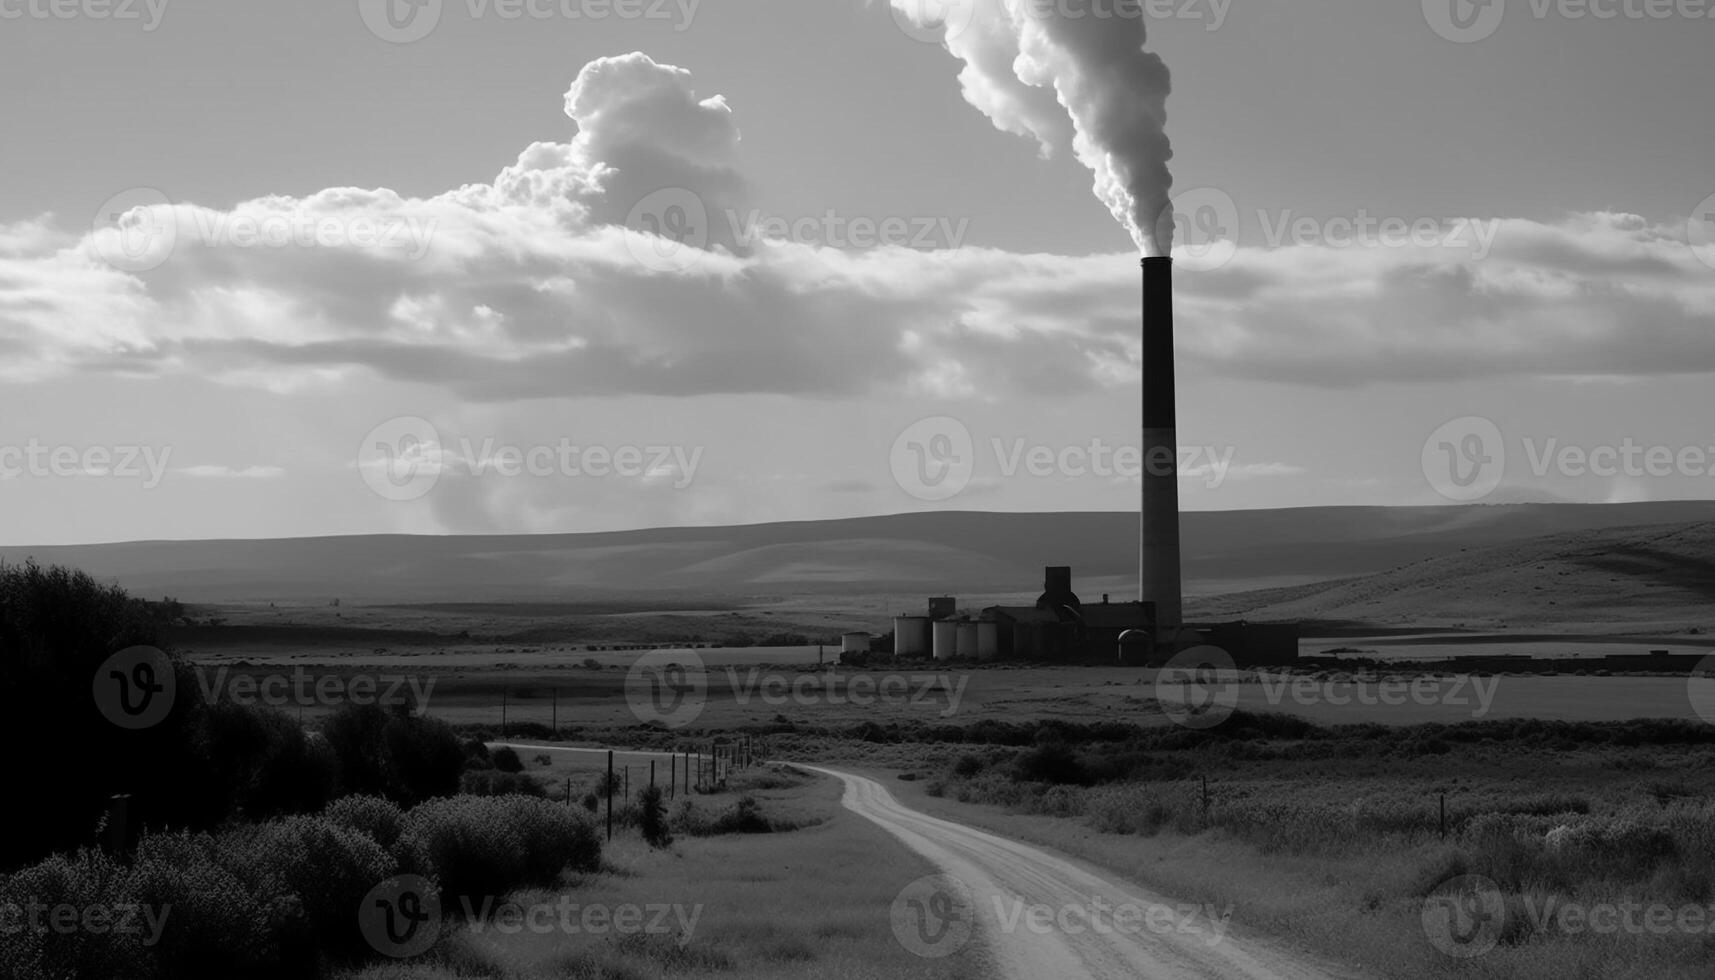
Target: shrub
<point>57,627</point>
<point>1050,762</point>
<point>506,759</point>
<point>652,817</point>
<point>269,765</point>
<point>393,753</point>
<point>329,867</point>
<point>485,847</point>
<point>380,818</point>
<point>491,782</point>
<point>229,916</point>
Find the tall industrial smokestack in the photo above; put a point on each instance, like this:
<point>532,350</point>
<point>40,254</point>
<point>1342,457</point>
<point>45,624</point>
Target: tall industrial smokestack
<point>1158,551</point>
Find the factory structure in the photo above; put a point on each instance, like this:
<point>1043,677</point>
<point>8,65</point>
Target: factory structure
<point>1062,628</point>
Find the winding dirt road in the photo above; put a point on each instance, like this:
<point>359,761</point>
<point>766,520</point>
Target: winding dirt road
<point>1043,916</point>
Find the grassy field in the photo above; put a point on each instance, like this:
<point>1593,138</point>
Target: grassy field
<point>1335,843</point>
<point>810,902</point>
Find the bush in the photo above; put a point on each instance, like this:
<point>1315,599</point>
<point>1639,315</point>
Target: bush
<point>652,817</point>
<point>506,759</point>
<point>484,847</point>
<point>1050,762</point>
<point>490,782</point>
<point>267,762</point>
<point>57,627</point>
<point>329,867</point>
<point>406,758</point>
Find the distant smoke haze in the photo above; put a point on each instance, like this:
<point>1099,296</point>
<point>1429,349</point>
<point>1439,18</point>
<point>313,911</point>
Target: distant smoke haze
<point>1031,64</point>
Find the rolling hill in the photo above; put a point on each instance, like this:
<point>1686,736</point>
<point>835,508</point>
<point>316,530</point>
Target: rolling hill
<point>945,552</point>
<point>1658,576</point>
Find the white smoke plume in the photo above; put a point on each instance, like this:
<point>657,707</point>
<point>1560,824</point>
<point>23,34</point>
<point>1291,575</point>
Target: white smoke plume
<point>1032,66</point>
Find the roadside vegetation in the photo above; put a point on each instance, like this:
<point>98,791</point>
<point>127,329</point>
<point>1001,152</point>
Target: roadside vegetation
<point>1336,836</point>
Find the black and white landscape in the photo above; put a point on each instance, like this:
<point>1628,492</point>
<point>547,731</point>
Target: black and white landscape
<point>617,489</point>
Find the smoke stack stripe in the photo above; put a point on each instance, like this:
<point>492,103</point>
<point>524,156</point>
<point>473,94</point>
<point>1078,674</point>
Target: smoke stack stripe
<point>1158,547</point>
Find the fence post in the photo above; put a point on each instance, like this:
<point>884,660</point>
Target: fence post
<point>118,823</point>
<point>568,792</point>
<point>610,794</point>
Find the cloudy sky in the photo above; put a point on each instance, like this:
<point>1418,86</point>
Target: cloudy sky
<point>495,266</point>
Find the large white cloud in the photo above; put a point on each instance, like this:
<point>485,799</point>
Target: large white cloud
<point>533,286</point>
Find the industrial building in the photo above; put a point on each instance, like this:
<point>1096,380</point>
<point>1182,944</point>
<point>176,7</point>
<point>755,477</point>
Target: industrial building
<point>1062,628</point>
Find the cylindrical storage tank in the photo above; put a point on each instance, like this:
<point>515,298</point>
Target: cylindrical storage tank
<point>911,636</point>
<point>967,641</point>
<point>988,639</point>
<point>946,639</point>
<point>854,643</point>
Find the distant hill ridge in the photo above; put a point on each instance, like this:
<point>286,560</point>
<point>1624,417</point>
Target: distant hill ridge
<point>952,551</point>
<point>1659,575</point>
